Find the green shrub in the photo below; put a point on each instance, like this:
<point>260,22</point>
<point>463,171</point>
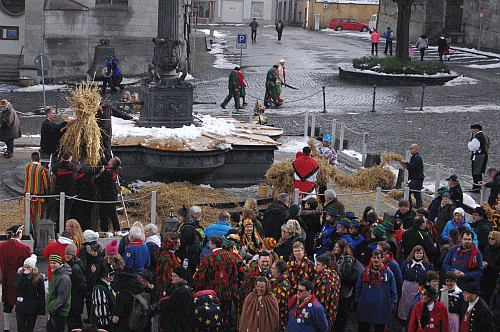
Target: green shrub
<point>394,66</point>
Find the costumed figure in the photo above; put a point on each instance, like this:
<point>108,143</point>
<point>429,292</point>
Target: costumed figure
<point>299,267</point>
<point>271,87</point>
<point>167,262</point>
<point>260,310</point>
<point>250,239</point>
<point>327,288</point>
<point>305,174</point>
<point>37,183</point>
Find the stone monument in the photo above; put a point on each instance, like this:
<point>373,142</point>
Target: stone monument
<point>168,99</point>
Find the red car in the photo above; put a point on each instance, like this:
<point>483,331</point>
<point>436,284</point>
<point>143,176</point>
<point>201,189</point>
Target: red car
<point>340,24</point>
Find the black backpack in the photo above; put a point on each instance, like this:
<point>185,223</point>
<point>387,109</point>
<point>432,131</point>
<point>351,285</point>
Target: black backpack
<point>356,270</point>
<point>140,315</point>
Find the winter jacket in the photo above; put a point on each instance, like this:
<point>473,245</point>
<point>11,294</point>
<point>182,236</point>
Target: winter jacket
<point>177,311</point>
<point>494,189</point>
<point>286,249</point>
<point>407,218</point>
<point>415,167</point>
<point>59,297</point>
<point>388,35</point>
<point>445,214</point>
<point>50,136</point>
<point>457,195</point>
<point>190,243</point>
<point>356,241</point>
<point>312,219</point>
<point>415,273</point>
<point>309,316</point>
<point>451,224</point>
<point>103,117</point>
<point>481,319</point>
<point>438,318</point>
<point>12,256</point>
<point>376,298</point>
<point>107,185</point>
<point>345,269</point>
<point>396,270</point>
<point>375,36</point>
<point>220,228</point>
<point>274,218</point>
<point>126,286</point>
<point>442,44</point>
<point>92,253</point>
<point>422,43</point>
<point>103,304</point>
<point>57,247</point>
<point>78,286</point>
<point>482,228</point>
<point>455,300</point>
<point>10,128</point>
<point>455,261</point>
<point>153,243</point>
<point>65,173</point>
<point>328,238</point>
<point>491,254</point>
<point>416,236</point>
<point>33,296</point>
<point>137,256</point>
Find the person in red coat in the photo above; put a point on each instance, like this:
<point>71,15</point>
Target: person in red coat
<point>429,315</point>
<point>58,247</point>
<point>13,253</point>
<point>305,172</point>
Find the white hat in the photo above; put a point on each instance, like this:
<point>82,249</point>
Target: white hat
<point>282,60</point>
<point>460,211</point>
<point>31,261</point>
<point>90,236</point>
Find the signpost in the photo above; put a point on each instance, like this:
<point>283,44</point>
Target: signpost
<point>482,8</point>
<point>42,63</point>
<point>241,43</point>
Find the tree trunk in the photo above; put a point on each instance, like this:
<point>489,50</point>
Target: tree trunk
<point>403,35</point>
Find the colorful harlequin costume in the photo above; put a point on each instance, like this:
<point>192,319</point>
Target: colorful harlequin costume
<point>37,183</point>
<point>218,271</point>
<point>298,271</point>
<point>281,290</point>
<point>254,241</point>
<point>167,261</point>
<point>327,290</point>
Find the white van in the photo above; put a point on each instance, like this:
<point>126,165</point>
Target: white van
<point>373,22</point>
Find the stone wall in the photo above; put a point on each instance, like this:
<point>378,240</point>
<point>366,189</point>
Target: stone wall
<point>491,24</point>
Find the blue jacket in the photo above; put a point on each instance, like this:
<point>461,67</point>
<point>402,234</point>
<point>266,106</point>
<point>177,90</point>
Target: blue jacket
<point>387,34</point>
<point>455,261</point>
<point>396,270</point>
<point>451,224</point>
<point>220,228</point>
<point>137,256</point>
<point>327,239</point>
<point>376,298</point>
<point>310,318</point>
<point>356,243</point>
<point>116,68</point>
<point>349,240</point>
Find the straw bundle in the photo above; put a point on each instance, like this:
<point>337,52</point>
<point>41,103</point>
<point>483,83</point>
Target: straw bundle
<point>11,213</point>
<point>312,144</point>
<point>369,179</point>
<point>280,175</point>
<point>177,194</point>
<point>84,132</point>
<point>390,156</point>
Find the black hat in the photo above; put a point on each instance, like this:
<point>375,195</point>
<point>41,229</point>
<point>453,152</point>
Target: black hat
<point>147,275</point>
<point>429,291</point>
<point>128,270</point>
<point>15,229</point>
<point>472,288</point>
<point>453,178</point>
<point>180,271</point>
<point>479,210</point>
<point>476,126</point>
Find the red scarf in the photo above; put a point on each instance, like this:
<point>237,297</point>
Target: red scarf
<point>369,270</point>
<point>389,257</point>
<point>294,300</point>
<point>473,255</point>
<point>135,243</point>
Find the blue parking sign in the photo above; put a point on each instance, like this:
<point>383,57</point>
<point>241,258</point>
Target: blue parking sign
<point>241,42</point>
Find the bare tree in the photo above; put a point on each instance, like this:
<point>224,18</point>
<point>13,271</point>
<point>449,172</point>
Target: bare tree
<point>403,31</point>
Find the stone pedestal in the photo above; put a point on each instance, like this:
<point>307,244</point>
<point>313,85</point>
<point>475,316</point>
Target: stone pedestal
<point>166,106</point>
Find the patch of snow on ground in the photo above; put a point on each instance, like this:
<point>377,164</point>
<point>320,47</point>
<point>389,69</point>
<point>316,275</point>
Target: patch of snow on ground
<point>138,184</point>
<point>468,200</point>
<point>294,145</point>
<point>394,171</point>
<point>354,154</point>
<point>488,66</point>
<point>220,59</point>
<point>39,87</point>
<point>461,80</point>
<point>453,109</point>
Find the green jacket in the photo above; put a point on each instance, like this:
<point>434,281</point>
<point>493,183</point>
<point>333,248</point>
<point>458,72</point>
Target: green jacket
<point>233,81</point>
<point>271,79</point>
<point>59,298</point>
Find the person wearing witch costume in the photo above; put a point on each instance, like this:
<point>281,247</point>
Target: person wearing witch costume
<point>305,173</point>
<point>465,260</point>
<point>306,313</point>
<point>167,261</point>
<point>429,315</point>
<point>376,295</point>
<point>299,267</point>
<point>250,239</point>
<point>280,287</point>
<point>327,287</point>
<point>218,271</point>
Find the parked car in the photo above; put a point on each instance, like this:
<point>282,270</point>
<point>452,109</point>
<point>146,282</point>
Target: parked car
<point>373,22</point>
<point>340,24</point>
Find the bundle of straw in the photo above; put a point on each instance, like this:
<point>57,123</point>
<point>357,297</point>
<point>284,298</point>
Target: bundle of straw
<point>390,156</point>
<point>84,132</point>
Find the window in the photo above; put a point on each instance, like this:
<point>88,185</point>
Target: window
<point>257,9</point>
<point>13,8</point>
<point>9,33</point>
<point>203,8</point>
<point>111,2</point>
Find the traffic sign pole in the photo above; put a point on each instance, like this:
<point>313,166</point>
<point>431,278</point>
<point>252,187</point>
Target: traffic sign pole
<point>482,8</point>
<point>241,43</point>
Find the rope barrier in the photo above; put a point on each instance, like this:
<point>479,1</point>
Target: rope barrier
<point>353,130</point>
<point>18,198</point>
<point>108,202</point>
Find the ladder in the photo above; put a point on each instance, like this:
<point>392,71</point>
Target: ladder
<point>120,196</point>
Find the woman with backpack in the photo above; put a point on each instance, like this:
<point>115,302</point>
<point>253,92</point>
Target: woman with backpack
<point>127,286</point>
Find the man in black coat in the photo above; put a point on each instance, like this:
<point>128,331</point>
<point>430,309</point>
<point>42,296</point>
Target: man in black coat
<point>103,117</point>
<point>275,216</point>
<point>476,316</point>
<point>191,242</point>
<point>456,193</point>
<point>416,176</point>
<point>405,213</point>
<point>418,236</point>
<point>51,132</point>
<point>481,226</point>
<point>177,310</point>
<point>494,185</point>
<point>78,288</point>
<point>65,173</point>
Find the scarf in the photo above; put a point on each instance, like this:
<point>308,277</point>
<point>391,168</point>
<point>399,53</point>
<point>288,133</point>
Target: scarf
<point>367,273</point>
<point>389,258</point>
<point>424,318</point>
<point>135,243</point>
<point>473,255</point>
<point>414,262</point>
<point>295,299</point>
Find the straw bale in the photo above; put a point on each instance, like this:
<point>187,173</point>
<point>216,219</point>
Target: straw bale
<point>11,213</point>
<point>390,156</point>
<point>177,194</point>
<point>84,132</point>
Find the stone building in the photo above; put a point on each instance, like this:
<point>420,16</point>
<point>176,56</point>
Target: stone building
<point>235,11</point>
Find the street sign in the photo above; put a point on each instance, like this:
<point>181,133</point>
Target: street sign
<point>482,8</point>
<point>241,42</point>
<point>38,62</point>
<point>481,14</point>
<point>325,4</point>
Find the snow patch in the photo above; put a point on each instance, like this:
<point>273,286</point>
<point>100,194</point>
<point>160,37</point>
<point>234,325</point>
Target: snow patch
<point>138,184</point>
<point>454,109</point>
<point>488,66</point>
<point>354,154</point>
<point>294,145</point>
<point>461,80</point>
<point>468,200</point>
<point>39,87</point>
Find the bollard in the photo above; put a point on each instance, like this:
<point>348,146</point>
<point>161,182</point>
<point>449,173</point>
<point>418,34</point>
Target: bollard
<point>27,216</point>
<point>378,200</point>
<point>438,180</point>
<point>296,194</point>
<point>306,123</point>
<point>422,101</point>
<point>230,113</point>
<point>313,124</point>
<point>374,94</point>
<point>483,194</point>
<point>365,146</point>
<point>154,199</point>
<point>62,196</point>
<point>341,141</point>
<point>324,101</point>
<point>57,99</point>
<point>334,129</point>
<point>407,192</point>
<point>250,116</point>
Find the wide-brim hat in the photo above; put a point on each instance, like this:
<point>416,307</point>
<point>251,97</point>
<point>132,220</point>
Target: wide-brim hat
<point>344,222</point>
<point>429,291</point>
<point>355,223</point>
<point>472,288</point>
<point>350,215</point>
<point>388,225</point>
<point>379,232</point>
<point>476,126</point>
<point>15,229</point>
<point>332,211</point>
